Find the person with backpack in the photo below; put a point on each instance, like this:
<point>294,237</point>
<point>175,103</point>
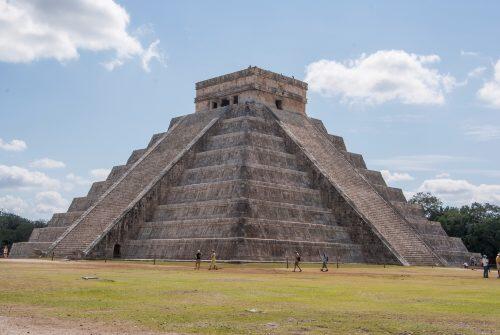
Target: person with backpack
<point>198,260</point>
<point>324,260</point>
<point>297,262</point>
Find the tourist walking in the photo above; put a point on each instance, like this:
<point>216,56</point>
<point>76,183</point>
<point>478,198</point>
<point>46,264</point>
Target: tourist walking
<point>297,262</point>
<point>324,260</point>
<point>486,267</point>
<point>6,251</point>
<point>198,260</point>
<point>213,261</point>
<point>498,265</point>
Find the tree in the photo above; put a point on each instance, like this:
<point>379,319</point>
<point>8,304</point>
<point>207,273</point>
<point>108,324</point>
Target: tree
<point>14,228</point>
<point>478,225</point>
<point>432,205</point>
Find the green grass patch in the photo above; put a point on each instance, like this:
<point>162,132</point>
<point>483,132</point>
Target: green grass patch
<point>256,298</point>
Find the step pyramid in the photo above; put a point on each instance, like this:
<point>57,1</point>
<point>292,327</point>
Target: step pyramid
<point>250,176</point>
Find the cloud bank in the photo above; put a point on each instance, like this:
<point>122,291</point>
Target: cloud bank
<point>60,29</point>
<point>14,145</point>
<point>395,176</point>
<point>489,93</point>
<point>386,75</point>
<point>461,192</point>
<point>18,177</point>
<point>47,163</point>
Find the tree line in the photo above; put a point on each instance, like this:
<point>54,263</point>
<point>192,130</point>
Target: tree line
<point>478,225</point>
<point>14,228</point>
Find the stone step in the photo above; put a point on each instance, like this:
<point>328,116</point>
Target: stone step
<point>248,123</point>
<point>97,189</point>
<point>457,258</point>
<point>28,249</point>
<point>244,249</point>
<point>390,193</point>
<point>373,177</point>
<point>444,243</point>
<point>409,210</point>
<point>243,227</point>
<point>136,154</point>
<point>46,234</point>
<point>254,139</point>
<point>157,136</point>
<point>355,159</point>
<point>424,226</point>
<point>243,155</point>
<point>79,204</point>
<point>337,141</point>
<point>243,207</point>
<point>63,219</point>
<point>257,172</point>
<point>244,188</point>
<point>116,173</point>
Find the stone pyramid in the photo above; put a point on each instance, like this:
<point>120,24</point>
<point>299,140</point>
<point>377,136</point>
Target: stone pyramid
<point>252,177</point>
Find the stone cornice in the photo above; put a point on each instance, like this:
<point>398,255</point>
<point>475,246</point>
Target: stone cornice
<point>253,70</point>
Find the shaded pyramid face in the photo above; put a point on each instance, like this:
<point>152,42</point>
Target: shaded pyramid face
<point>246,194</point>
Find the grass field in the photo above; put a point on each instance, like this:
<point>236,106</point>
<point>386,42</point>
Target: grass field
<point>254,298</point>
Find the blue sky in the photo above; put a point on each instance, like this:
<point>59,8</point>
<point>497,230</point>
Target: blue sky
<point>411,86</point>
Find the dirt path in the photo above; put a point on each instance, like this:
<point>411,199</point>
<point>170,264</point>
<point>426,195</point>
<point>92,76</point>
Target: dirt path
<point>52,326</point>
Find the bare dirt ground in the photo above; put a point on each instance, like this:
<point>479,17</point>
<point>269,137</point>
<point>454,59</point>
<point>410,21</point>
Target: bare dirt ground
<point>55,326</point>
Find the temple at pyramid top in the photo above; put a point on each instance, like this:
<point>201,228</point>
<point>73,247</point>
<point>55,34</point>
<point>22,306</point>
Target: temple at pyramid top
<point>252,85</point>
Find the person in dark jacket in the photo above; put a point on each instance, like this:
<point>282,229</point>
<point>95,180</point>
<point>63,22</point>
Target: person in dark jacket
<point>297,262</point>
<point>324,260</point>
<point>198,260</point>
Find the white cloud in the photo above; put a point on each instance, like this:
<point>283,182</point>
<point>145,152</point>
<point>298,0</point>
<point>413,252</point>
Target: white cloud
<point>395,177</point>
<point>47,163</point>
<point>60,29</point>
<point>100,174</point>
<point>12,204</point>
<point>14,145</point>
<point>18,177</point>
<point>113,64</point>
<point>483,133</point>
<point>469,53</point>
<point>490,92</point>
<point>460,192</point>
<point>443,175</point>
<point>152,52</point>
<point>50,202</point>
<point>386,75</point>
<point>477,72</point>
<point>417,162</point>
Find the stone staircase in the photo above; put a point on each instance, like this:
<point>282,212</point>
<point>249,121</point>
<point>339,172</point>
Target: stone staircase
<point>246,196</point>
<point>341,168</point>
<point>144,167</point>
